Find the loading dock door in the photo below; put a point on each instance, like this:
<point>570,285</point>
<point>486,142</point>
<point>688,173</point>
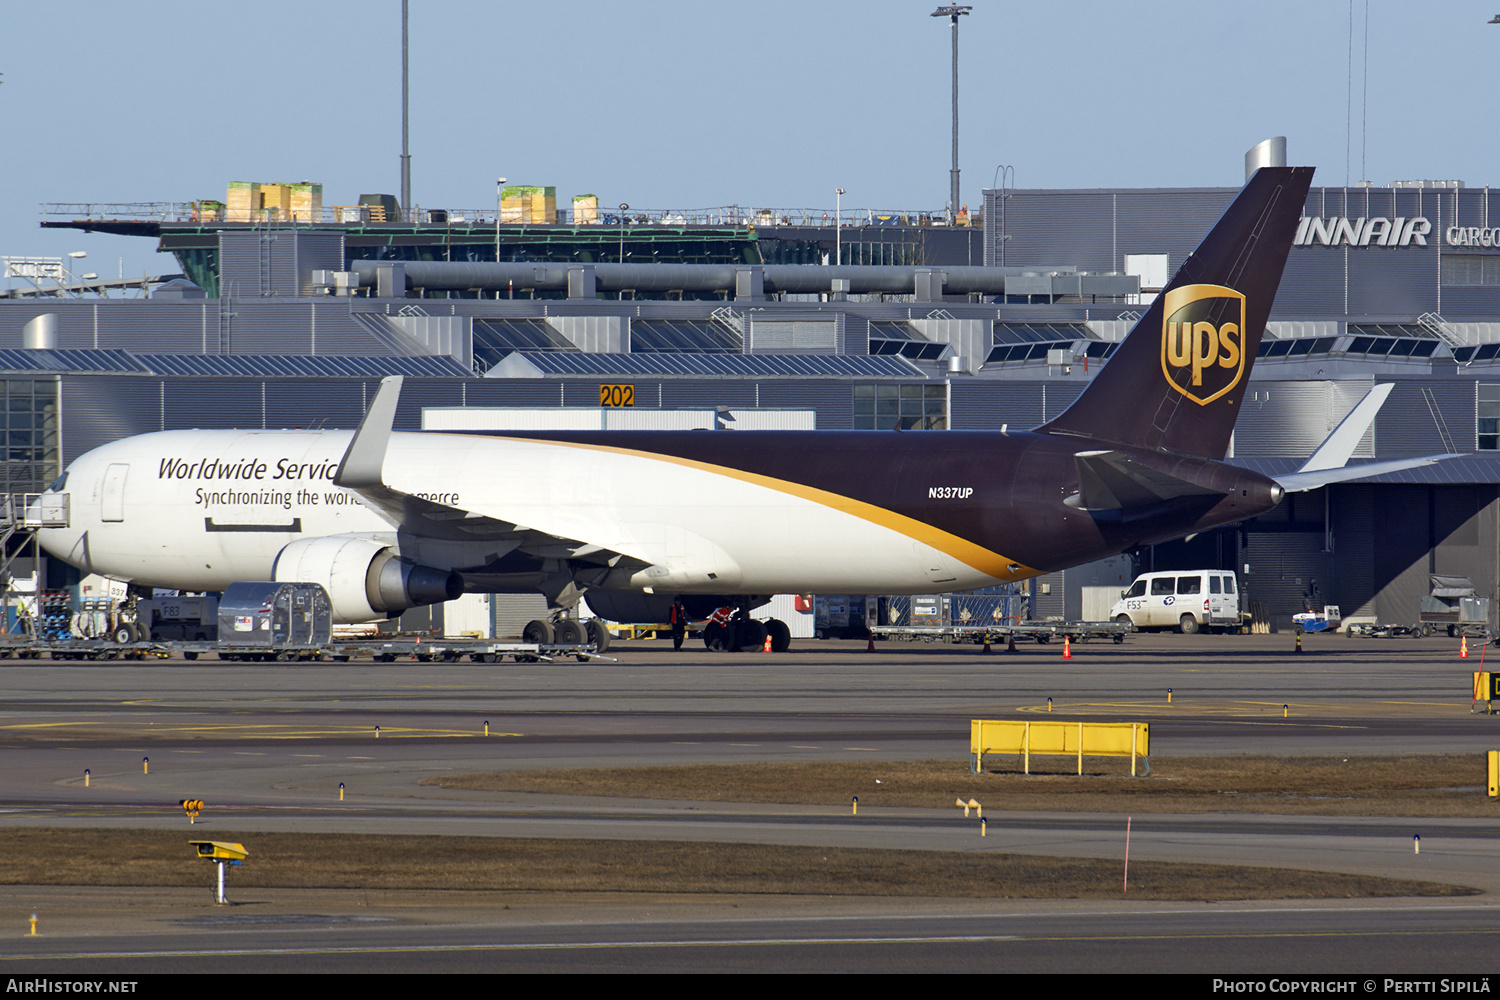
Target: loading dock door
<point>114,492</point>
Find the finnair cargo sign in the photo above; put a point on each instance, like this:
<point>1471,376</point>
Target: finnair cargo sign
<point>1471,236</point>
<point>1363,232</point>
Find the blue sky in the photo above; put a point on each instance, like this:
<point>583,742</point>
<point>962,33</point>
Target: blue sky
<point>667,104</point>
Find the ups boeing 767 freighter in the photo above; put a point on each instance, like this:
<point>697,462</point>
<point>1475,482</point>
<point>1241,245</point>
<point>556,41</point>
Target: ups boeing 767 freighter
<point>643,521</point>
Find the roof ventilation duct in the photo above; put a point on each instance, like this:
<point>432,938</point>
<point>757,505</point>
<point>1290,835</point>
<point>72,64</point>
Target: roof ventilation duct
<point>40,333</point>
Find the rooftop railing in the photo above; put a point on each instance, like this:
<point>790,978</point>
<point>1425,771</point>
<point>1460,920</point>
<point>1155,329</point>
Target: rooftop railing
<point>188,212</point>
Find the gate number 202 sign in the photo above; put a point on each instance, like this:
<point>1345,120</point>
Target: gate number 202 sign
<point>616,395</point>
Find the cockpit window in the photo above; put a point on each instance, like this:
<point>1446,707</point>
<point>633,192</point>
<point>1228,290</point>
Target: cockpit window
<point>57,487</point>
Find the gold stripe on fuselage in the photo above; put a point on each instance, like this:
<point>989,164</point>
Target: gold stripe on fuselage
<point>985,561</point>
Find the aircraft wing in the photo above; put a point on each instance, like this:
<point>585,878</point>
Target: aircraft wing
<point>1329,463</point>
<point>362,471</point>
<point>1299,481</point>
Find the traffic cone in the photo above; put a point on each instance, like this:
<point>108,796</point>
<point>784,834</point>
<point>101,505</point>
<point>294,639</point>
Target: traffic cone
<point>767,648</point>
<point>986,645</point>
<point>1463,648</point>
<point>1067,649</point>
<point>1010,647</point>
<point>1299,642</point>
<point>870,648</point>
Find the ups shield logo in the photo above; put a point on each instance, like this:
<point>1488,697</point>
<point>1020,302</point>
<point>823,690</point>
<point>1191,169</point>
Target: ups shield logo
<point>1203,340</point>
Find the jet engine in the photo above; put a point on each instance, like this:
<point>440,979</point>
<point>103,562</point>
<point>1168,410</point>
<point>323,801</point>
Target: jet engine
<point>365,578</point>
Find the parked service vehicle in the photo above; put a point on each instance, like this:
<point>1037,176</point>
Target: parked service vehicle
<point>1185,599</point>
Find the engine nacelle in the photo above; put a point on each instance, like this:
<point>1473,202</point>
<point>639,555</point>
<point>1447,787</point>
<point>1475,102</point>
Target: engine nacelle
<point>364,578</point>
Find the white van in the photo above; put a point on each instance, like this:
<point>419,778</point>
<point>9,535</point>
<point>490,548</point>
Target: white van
<point>1185,599</point>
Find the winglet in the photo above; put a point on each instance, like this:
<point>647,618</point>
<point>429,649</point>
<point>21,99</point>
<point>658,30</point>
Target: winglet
<point>364,462</point>
<point>1336,449</point>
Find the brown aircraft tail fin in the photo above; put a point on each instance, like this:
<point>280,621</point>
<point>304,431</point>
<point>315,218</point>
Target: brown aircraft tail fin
<point>1175,383</point>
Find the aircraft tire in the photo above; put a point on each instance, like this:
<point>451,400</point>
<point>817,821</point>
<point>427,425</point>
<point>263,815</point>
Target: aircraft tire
<point>1188,625</point>
<point>750,635</point>
<point>716,637</point>
<point>124,633</point>
<point>537,631</point>
<point>598,634</point>
<point>781,635</point>
<point>571,632</point>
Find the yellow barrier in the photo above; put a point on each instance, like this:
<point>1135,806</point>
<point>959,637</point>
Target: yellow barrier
<point>1494,768</point>
<point>1093,739</point>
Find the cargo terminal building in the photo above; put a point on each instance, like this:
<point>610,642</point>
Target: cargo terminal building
<point>289,327</point>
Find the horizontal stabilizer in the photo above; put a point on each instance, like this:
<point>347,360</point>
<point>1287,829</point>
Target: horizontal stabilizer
<point>1108,480</point>
<point>1300,482</point>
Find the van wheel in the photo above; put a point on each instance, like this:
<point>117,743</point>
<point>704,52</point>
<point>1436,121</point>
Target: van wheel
<point>1125,621</point>
<point>1188,625</point>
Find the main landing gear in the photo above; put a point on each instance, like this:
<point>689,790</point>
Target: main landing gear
<point>734,631</point>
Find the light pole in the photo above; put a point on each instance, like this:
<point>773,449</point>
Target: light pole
<point>838,226</point>
<point>623,209</point>
<point>953,12</point>
<point>405,133</point>
<point>499,195</point>
<point>76,257</point>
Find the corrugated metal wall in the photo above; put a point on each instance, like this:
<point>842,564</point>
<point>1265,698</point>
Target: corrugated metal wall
<point>1293,418</point>
<point>1427,417</point>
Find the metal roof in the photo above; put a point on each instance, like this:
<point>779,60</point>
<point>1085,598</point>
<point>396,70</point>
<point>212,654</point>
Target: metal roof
<point>250,365</point>
<point>530,364</point>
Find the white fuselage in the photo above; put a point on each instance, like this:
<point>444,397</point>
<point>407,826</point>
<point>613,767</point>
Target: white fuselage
<point>197,510</point>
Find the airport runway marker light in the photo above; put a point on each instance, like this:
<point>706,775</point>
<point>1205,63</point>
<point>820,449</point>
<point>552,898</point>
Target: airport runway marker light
<point>192,807</point>
<point>1416,843</point>
<point>33,926</point>
<point>145,765</point>
<point>854,806</point>
<point>1283,711</point>
<point>1049,704</point>
<point>222,854</point>
<point>486,727</point>
<point>983,827</point>
<point>1169,696</point>
<point>377,732</point>
<point>85,777</point>
<point>341,791</point>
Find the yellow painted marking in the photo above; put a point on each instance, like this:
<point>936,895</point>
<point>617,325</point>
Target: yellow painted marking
<point>987,562</point>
